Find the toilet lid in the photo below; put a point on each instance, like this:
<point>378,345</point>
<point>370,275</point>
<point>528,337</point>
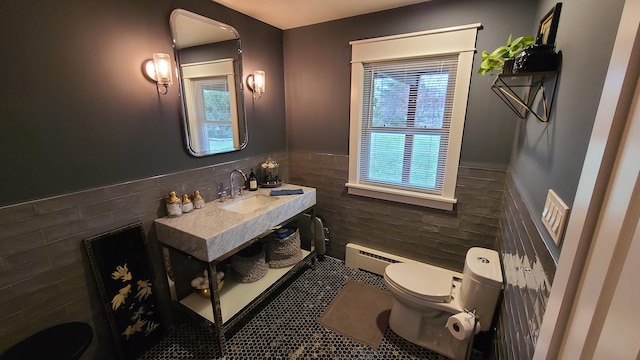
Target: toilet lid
<point>421,281</point>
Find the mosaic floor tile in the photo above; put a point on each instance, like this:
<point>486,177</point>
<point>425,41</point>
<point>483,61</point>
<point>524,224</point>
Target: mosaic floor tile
<point>285,328</point>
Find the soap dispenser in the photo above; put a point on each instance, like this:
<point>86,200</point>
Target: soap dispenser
<point>253,181</point>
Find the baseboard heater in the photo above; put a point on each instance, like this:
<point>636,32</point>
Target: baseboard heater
<point>375,261</point>
<point>372,260</point>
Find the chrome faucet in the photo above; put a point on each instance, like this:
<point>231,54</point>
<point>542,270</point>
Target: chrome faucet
<point>232,189</point>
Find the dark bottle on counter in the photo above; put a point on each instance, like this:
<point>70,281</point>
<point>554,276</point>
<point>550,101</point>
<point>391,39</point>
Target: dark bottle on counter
<point>253,181</point>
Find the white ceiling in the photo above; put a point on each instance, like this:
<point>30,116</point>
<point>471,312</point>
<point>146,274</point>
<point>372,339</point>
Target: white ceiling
<point>288,14</point>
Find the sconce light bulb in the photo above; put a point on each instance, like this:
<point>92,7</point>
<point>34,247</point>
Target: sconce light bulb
<point>159,70</point>
<point>256,83</point>
<point>163,69</point>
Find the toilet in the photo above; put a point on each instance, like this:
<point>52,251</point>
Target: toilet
<point>425,296</point>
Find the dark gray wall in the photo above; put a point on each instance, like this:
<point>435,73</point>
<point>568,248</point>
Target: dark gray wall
<point>317,74</point>
<point>76,111</point>
<point>550,155</point>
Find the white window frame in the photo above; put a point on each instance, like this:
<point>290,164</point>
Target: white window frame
<point>454,40</point>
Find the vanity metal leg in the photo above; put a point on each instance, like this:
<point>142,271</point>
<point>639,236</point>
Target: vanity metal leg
<point>169,272</point>
<point>217,309</point>
<point>312,223</point>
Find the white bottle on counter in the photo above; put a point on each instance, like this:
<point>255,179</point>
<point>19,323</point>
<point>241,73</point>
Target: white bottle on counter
<point>174,205</point>
<point>187,205</point>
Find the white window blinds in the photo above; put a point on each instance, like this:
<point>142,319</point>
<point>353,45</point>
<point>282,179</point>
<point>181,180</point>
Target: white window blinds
<point>406,116</point>
<point>212,97</point>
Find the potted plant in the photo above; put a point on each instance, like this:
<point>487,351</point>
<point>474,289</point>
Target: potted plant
<point>501,59</point>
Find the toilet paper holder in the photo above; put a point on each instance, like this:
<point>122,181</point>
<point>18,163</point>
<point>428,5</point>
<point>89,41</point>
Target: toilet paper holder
<point>475,318</point>
<point>473,333</point>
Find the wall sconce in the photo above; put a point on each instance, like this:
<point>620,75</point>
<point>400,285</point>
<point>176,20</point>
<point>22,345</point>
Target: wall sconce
<point>256,83</point>
<point>159,70</point>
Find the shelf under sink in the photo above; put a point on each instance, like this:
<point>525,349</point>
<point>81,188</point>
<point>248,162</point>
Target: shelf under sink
<point>235,295</point>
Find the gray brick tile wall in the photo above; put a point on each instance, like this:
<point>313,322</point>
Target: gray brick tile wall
<point>528,272</point>
<point>16,213</point>
<point>434,236</point>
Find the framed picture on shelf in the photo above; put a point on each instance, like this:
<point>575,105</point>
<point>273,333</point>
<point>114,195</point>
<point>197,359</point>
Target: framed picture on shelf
<point>549,26</point>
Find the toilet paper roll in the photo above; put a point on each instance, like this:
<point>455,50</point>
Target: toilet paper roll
<point>460,325</point>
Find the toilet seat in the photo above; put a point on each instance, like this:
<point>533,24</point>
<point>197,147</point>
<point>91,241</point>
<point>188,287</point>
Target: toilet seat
<point>420,281</point>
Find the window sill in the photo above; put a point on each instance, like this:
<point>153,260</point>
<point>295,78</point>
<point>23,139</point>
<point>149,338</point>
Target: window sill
<point>401,196</point>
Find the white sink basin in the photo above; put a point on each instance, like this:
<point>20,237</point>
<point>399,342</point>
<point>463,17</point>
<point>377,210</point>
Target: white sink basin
<point>249,204</point>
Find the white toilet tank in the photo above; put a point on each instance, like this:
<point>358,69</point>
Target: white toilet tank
<point>481,284</point>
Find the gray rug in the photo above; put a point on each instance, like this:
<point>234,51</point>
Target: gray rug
<point>359,312</point>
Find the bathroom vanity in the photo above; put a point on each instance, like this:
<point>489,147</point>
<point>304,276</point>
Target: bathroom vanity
<point>206,238</point>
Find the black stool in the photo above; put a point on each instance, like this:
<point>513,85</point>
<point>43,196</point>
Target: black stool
<point>61,342</point>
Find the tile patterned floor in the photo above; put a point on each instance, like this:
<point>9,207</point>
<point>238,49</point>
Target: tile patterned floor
<point>285,328</point>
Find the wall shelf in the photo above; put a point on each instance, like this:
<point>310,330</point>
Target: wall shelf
<point>519,91</point>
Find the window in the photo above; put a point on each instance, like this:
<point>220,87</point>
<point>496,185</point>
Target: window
<point>211,111</point>
<point>408,105</point>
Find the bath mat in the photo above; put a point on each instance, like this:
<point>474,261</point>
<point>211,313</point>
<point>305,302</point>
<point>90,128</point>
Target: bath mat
<point>359,312</point>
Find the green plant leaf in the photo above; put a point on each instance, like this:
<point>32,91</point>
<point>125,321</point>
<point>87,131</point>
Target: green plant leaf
<point>499,52</point>
<point>494,61</point>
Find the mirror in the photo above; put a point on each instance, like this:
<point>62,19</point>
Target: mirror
<point>209,62</point>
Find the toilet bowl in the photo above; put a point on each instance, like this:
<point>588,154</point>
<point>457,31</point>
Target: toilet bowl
<point>426,296</point>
